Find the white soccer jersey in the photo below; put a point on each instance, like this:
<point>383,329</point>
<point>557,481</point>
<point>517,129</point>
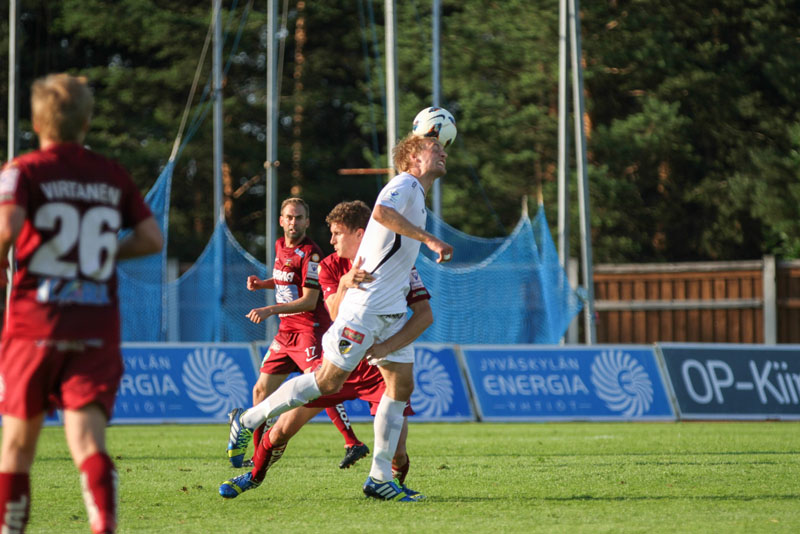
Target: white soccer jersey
<point>387,255</point>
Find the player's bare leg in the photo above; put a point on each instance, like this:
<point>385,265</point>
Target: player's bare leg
<point>19,443</point>
<point>85,430</point>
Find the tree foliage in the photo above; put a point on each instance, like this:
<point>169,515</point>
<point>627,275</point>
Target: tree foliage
<point>693,114</point>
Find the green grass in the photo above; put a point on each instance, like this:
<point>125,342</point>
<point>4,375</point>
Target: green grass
<point>554,478</point>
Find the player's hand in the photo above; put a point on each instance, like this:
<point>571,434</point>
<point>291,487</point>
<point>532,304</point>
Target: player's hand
<point>257,315</point>
<point>375,354</point>
<point>253,282</point>
<point>356,275</point>
<point>444,250</point>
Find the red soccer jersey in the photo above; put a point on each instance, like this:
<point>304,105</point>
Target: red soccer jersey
<point>297,268</point>
<point>75,202</point>
<point>333,268</point>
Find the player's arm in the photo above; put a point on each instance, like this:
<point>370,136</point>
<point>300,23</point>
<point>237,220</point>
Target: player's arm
<point>394,221</point>
<point>307,302</point>
<point>12,217</point>
<point>351,279</point>
<point>254,283</point>
<point>145,239</point>
<point>421,319</point>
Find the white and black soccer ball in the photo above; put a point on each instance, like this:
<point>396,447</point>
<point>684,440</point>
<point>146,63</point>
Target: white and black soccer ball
<point>437,123</point>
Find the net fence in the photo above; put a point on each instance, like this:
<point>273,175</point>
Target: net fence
<point>495,291</point>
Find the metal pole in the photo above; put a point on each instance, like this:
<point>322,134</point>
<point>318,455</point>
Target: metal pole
<point>391,80</point>
<point>219,215</point>
<point>583,182</point>
<point>436,82</point>
<point>563,142</point>
<point>768,279</point>
<point>217,82</point>
<point>13,71</point>
<point>271,163</point>
<point>12,125</point>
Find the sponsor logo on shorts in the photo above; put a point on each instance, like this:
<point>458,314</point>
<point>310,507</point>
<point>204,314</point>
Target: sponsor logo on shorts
<point>344,346</point>
<point>2,388</point>
<point>274,347</point>
<point>352,335</point>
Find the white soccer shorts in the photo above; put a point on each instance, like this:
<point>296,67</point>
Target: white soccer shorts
<point>352,333</point>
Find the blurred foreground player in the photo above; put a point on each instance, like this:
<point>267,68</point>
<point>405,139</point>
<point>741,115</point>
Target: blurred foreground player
<point>61,207</point>
<point>338,274</point>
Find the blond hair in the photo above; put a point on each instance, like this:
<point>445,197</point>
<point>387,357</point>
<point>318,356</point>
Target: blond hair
<point>407,148</point>
<point>61,106</point>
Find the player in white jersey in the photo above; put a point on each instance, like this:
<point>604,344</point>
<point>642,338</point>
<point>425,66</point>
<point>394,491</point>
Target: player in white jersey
<point>372,313</point>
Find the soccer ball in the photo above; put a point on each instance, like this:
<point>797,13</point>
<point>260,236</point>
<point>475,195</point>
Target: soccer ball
<point>435,122</point>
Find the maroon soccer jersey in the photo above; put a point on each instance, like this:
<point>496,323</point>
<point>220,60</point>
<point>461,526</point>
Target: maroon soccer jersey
<point>295,269</point>
<point>75,202</point>
<point>333,268</point>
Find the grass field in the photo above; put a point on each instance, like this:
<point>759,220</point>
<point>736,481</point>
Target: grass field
<point>555,477</point>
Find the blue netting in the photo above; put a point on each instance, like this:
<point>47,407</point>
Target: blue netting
<point>208,313</point>
<point>499,290</point>
<point>518,292</point>
<point>143,281</point>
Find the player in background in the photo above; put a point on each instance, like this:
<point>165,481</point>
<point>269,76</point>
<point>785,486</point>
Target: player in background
<point>338,274</point>
<point>61,207</point>
<point>303,320</point>
<point>376,311</point>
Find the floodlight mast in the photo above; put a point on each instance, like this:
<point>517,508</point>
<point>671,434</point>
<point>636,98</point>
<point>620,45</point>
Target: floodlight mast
<point>391,79</point>
<point>12,127</point>
<point>271,163</point>
<point>436,83</point>
<point>570,45</point>
<point>219,214</point>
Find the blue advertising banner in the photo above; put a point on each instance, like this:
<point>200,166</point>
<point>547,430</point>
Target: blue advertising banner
<point>183,382</point>
<point>440,392</point>
<point>536,383</point>
<point>721,381</point>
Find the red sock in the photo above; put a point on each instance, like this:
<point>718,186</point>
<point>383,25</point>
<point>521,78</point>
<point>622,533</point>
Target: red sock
<point>99,482</point>
<point>339,418</point>
<point>257,433</point>
<point>266,455</point>
<point>400,472</point>
<point>15,501</point>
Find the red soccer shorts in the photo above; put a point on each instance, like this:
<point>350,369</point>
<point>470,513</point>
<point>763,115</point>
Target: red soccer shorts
<point>37,376</point>
<point>292,351</point>
<point>365,383</point>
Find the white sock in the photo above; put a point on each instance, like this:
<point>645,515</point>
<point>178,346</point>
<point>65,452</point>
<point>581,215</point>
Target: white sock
<point>292,393</point>
<point>388,425</point>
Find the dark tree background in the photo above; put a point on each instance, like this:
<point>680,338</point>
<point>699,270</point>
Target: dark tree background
<point>693,113</point>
